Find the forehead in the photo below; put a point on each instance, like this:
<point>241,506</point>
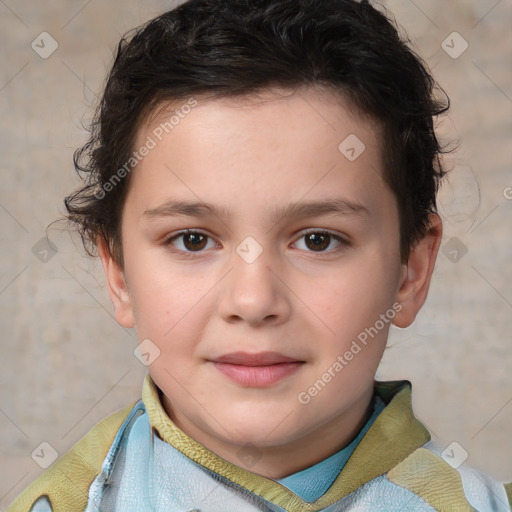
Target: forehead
<point>299,142</point>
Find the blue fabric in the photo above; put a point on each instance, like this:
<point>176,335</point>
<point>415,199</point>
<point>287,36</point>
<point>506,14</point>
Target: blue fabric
<point>144,473</point>
<point>313,482</point>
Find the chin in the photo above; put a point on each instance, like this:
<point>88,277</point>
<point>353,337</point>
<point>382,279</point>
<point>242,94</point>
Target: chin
<point>259,431</point>
<point>255,438</point>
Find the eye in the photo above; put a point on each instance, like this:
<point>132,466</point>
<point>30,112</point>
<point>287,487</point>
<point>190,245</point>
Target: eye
<point>318,241</point>
<point>191,241</point>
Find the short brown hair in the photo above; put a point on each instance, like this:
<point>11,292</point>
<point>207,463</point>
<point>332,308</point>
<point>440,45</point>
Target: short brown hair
<point>237,47</point>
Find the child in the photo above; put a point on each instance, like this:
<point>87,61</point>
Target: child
<point>261,188</point>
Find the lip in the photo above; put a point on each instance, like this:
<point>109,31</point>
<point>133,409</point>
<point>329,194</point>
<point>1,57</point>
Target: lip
<point>256,370</point>
<point>257,359</point>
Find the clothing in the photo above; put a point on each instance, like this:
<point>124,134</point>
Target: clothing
<point>138,460</point>
<point>312,482</point>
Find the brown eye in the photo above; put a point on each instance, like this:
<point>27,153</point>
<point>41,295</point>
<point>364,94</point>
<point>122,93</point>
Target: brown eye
<point>189,241</point>
<point>194,241</point>
<point>319,241</point>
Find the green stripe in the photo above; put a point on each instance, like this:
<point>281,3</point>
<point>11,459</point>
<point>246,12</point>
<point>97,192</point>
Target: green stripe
<point>66,483</point>
<point>428,476</point>
<point>508,489</point>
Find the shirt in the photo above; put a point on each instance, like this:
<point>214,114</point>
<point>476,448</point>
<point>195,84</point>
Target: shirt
<point>312,482</point>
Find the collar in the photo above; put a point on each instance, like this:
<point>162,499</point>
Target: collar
<point>394,435</point>
<point>314,481</point>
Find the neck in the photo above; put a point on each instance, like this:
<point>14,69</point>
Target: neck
<point>280,460</point>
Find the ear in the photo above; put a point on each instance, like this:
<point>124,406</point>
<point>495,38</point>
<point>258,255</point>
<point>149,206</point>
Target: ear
<point>117,288</point>
<point>417,272</point>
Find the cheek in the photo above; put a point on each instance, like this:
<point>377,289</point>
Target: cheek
<point>166,303</point>
<point>173,312</point>
<point>354,295</point>
<point>350,304</point>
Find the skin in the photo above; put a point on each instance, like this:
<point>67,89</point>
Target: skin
<point>251,156</point>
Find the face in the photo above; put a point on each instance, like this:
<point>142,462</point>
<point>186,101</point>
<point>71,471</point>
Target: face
<point>257,252</point>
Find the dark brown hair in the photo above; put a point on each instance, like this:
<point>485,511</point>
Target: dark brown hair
<point>227,48</point>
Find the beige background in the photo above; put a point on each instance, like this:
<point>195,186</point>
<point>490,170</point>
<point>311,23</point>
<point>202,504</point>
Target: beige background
<point>65,363</point>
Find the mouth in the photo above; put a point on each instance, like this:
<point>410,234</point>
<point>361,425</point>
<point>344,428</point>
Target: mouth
<point>256,370</point>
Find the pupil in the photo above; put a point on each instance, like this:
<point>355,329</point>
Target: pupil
<point>194,240</point>
<point>319,240</point>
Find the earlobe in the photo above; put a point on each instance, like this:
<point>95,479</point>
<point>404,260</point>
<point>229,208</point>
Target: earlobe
<point>117,287</point>
<point>417,273</point>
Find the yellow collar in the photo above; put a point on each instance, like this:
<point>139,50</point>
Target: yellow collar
<point>392,437</point>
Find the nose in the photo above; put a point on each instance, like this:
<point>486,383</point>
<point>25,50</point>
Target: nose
<point>254,291</point>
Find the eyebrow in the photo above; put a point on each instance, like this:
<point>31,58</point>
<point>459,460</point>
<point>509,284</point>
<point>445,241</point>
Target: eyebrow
<point>300,209</point>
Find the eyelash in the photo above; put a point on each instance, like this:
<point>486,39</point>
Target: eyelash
<point>343,243</point>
